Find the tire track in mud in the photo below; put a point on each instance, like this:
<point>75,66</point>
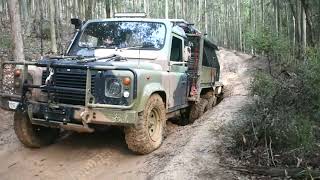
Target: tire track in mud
<point>196,154</point>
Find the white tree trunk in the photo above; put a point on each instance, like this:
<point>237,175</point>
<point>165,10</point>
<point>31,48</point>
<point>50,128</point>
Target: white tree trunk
<point>14,13</point>
<point>240,24</point>
<point>53,27</point>
<point>304,29</point>
<point>167,9</point>
<point>206,16</point>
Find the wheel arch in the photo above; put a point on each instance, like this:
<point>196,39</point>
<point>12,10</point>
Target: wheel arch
<point>206,90</point>
<point>163,96</point>
<point>147,92</point>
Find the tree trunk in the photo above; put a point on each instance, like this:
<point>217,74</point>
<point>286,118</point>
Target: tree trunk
<point>88,11</point>
<point>226,20</point>
<point>111,8</point>
<point>30,18</point>
<point>167,9</point>
<point>277,14</point>
<point>308,15</point>
<point>59,27</point>
<point>14,13</point>
<point>240,24</point>
<point>52,27</point>
<point>108,14</point>
<point>303,30</point>
<point>175,8</point>
<point>262,12</point>
<point>183,8</point>
<point>24,10</point>
<point>205,16</point>
<point>146,7</point>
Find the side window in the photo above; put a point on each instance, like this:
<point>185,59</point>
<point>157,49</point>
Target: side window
<point>176,50</point>
<point>205,59</point>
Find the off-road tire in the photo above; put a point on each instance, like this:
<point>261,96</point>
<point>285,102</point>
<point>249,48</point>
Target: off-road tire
<point>198,109</point>
<point>221,96</point>
<point>140,138</point>
<point>33,136</point>
<point>212,101</point>
<point>185,117</point>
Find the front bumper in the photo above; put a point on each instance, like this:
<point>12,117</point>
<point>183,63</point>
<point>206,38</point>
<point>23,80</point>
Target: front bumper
<point>66,114</point>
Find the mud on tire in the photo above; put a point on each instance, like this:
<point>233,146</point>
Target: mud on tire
<point>147,135</point>
<point>212,100</point>
<point>33,136</point>
<point>198,109</point>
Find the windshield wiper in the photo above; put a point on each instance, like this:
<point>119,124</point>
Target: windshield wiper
<point>99,47</point>
<point>112,57</point>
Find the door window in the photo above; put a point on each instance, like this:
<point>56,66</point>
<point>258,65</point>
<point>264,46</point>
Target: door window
<point>176,50</point>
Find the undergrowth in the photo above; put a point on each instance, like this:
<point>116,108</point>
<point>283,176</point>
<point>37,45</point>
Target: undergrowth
<point>281,127</point>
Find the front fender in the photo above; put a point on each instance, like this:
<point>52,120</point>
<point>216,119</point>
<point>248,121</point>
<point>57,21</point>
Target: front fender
<point>145,94</point>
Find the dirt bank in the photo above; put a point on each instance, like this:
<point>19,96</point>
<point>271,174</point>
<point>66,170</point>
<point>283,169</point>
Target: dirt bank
<point>189,152</point>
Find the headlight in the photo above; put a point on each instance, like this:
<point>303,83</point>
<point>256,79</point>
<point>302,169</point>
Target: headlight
<point>113,88</point>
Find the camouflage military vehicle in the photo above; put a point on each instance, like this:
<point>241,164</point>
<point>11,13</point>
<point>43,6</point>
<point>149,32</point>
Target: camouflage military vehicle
<point>129,72</point>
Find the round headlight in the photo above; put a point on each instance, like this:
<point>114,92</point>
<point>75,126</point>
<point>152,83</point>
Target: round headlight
<point>113,88</point>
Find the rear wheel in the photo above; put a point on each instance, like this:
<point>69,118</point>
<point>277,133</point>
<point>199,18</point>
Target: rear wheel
<point>185,117</point>
<point>198,109</point>
<point>212,101</point>
<point>33,136</point>
<point>147,135</point>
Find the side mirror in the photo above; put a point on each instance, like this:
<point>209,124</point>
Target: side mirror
<point>77,23</point>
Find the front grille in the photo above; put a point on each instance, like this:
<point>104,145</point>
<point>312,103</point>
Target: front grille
<point>67,78</point>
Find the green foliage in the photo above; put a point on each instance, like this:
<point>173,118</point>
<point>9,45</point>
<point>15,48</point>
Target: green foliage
<point>301,134</point>
<point>285,111</point>
<point>266,42</point>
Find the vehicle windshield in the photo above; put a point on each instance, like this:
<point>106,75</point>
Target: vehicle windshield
<point>130,35</point>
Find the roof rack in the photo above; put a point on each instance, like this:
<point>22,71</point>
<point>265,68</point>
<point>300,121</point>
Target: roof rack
<point>130,15</point>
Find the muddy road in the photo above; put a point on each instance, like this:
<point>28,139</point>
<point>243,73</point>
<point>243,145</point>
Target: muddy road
<point>189,152</point>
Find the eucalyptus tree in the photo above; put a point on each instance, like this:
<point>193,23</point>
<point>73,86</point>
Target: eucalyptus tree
<point>16,32</point>
<point>231,23</point>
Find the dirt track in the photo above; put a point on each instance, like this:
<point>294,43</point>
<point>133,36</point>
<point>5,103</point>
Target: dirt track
<point>189,152</point>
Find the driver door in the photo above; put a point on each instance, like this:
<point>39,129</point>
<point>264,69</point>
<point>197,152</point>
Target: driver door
<point>178,75</point>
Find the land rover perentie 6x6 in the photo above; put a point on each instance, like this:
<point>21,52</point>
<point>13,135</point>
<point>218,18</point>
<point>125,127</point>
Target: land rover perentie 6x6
<point>132,72</point>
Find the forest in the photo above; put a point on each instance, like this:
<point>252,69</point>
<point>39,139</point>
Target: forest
<point>231,23</point>
<point>282,126</point>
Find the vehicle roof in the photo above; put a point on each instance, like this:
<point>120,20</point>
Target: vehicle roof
<point>166,21</point>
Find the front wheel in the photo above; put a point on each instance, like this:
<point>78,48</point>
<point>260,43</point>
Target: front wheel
<point>30,135</point>
<point>147,135</point>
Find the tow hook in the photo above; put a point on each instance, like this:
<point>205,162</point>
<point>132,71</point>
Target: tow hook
<point>86,116</point>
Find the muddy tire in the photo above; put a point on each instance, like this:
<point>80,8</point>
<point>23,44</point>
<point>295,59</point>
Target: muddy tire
<point>147,135</point>
<point>185,117</point>
<point>212,101</point>
<point>33,136</point>
<point>221,96</point>
<point>198,109</point>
